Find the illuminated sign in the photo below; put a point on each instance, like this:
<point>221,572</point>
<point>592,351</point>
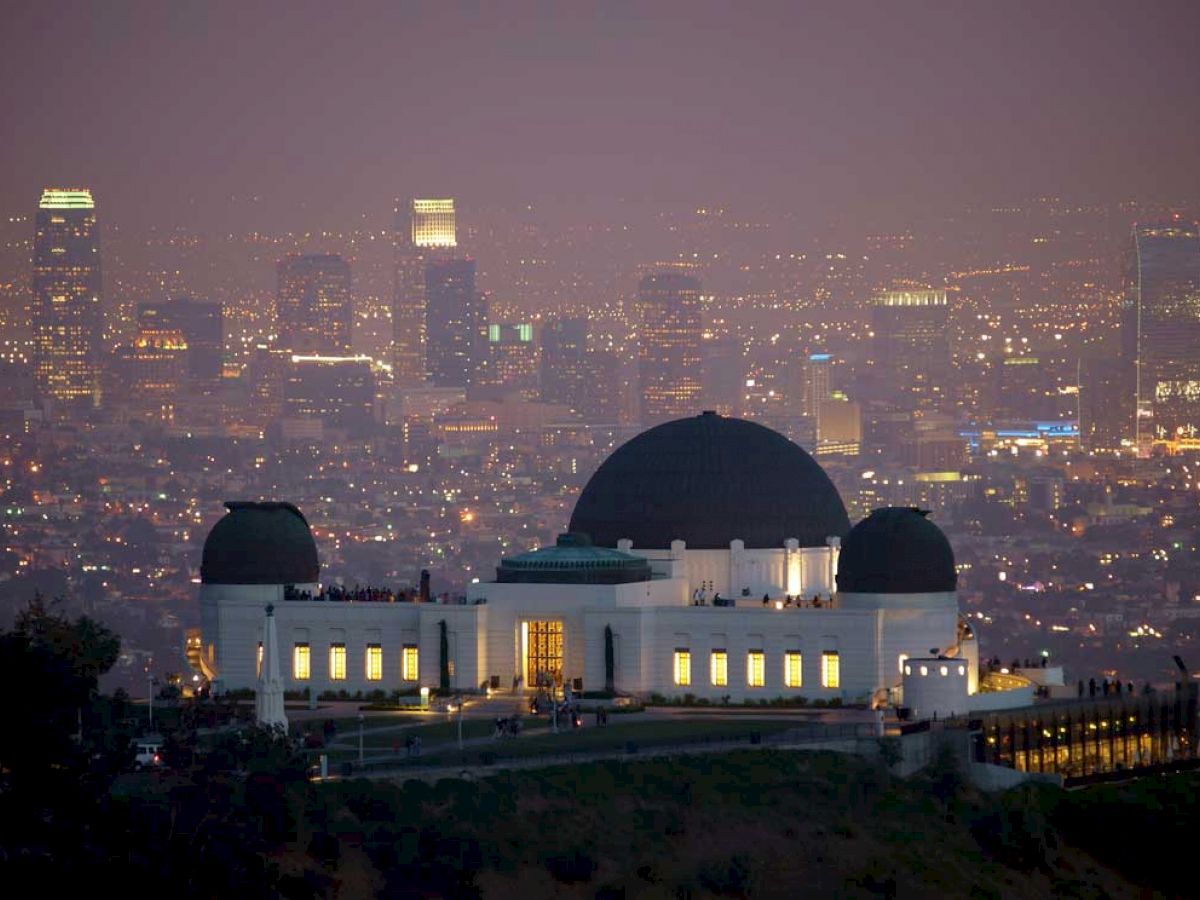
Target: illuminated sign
<point>66,198</point>
<point>911,298</point>
<point>433,224</point>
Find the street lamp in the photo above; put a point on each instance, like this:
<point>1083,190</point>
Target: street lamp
<point>460,706</point>
<point>150,696</point>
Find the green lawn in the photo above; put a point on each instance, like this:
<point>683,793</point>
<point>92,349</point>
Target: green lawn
<point>438,741</point>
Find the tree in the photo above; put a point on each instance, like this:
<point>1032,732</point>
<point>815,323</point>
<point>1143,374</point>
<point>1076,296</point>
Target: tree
<point>54,663</point>
<point>444,658</point>
<point>609,660</point>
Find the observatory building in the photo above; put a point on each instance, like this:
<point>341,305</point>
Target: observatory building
<point>708,556</point>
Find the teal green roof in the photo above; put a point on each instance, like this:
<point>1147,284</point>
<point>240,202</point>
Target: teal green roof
<point>573,560</point>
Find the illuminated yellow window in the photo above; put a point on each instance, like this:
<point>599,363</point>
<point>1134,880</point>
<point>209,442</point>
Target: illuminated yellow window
<point>792,669</point>
<point>258,668</point>
<point>374,662</point>
<point>756,664</point>
<point>337,662</point>
<point>301,662</point>
<point>903,660</point>
<point>718,666</point>
<point>683,667</point>
<point>831,669</point>
<point>412,663</point>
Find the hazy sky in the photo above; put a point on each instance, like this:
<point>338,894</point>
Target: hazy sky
<point>170,110</point>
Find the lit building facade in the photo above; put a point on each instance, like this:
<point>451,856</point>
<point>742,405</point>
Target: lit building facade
<point>456,322</point>
<point>912,345</point>
<point>1165,318</point>
<point>707,556</point>
<point>313,306</point>
<point>512,360</point>
<point>338,391</point>
<point>425,230</point>
<point>669,351</point>
<point>202,326</point>
<point>68,320</point>
<point>433,225</point>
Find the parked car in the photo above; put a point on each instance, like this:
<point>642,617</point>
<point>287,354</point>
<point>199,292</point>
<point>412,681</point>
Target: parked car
<point>147,754</point>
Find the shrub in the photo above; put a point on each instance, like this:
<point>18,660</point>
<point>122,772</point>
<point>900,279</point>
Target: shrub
<point>573,866</point>
<point>731,876</point>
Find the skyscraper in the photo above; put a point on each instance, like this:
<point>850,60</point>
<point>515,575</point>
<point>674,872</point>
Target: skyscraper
<point>433,224</point>
<point>313,310</point>
<point>1165,306</point>
<point>564,361</point>
<point>425,229</point>
<point>202,326</point>
<point>816,384</point>
<point>512,360</point>
<point>455,318</point>
<point>68,320</point>
<point>912,346</point>
<point>338,391</point>
<point>669,354</point>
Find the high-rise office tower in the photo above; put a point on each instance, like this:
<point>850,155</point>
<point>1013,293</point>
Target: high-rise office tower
<point>1164,304</point>
<point>912,346</point>
<point>433,226</point>
<point>67,321</point>
<point>816,383</point>
<point>669,353</point>
<point>149,374</point>
<point>1106,403</point>
<point>512,360</point>
<point>564,361</point>
<point>455,318</point>
<point>724,375</point>
<point>338,391</point>
<point>425,230</point>
<point>202,326</point>
<point>313,309</point>
<point>577,375</point>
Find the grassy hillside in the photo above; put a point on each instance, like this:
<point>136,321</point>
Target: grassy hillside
<point>748,823</point>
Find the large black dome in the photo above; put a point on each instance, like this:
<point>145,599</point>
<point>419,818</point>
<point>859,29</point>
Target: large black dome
<point>896,550</point>
<point>709,480</point>
<point>260,543</point>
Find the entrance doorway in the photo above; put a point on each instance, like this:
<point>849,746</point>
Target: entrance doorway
<point>542,653</point>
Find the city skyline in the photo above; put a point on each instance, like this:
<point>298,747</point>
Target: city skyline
<point>853,113</point>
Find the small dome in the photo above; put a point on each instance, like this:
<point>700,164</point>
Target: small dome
<point>260,543</point>
<point>709,480</point>
<point>573,560</point>
<point>896,550</point>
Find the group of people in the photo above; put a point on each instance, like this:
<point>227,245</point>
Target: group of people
<point>700,598</point>
<point>360,594</point>
<point>799,602</point>
<point>357,594</point>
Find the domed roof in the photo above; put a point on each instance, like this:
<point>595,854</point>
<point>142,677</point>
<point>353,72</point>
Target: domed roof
<point>709,480</point>
<point>896,550</point>
<point>573,560</point>
<point>260,543</point>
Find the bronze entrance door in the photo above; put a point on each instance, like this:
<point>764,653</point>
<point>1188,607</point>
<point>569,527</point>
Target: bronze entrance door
<point>542,643</point>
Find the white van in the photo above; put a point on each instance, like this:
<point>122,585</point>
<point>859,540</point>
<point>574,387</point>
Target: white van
<point>148,753</point>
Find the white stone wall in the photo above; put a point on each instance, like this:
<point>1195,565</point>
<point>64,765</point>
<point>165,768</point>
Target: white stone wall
<point>935,688</point>
<point>232,618</point>
<point>799,571</point>
<point>649,621</point>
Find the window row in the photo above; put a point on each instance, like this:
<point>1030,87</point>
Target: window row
<point>410,666</point>
<point>756,666</point>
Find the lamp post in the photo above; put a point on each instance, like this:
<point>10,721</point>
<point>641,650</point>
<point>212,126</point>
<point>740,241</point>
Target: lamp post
<point>460,706</point>
<point>360,738</point>
<point>150,697</point>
